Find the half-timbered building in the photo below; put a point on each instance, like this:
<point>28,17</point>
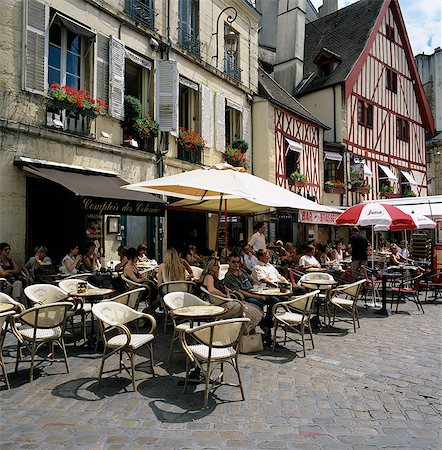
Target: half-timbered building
<point>360,79</point>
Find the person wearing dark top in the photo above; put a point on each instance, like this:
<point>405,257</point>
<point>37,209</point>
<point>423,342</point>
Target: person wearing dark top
<point>237,279</point>
<point>11,272</point>
<point>359,246</point>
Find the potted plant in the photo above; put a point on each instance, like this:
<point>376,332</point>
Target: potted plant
<point>190,140</point>
<point>360,187</point>
<point>408,193</point>
<point>132,112</point>
<point>297,179</point>
<point>235,157</point>
<point>145,127</point>
<point>387,191</point>
<point>241,145</point>
<point>335,187</point>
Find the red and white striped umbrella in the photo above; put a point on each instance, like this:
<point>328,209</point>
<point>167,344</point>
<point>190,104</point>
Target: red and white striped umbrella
<point>372,214</point>
<point>421,222</point>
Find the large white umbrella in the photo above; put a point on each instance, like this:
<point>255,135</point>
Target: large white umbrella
<point>240,192</point>
<point>210,189</point>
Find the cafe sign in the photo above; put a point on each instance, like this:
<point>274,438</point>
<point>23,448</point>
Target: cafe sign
<point>318,218</point>
<point>122,207</point>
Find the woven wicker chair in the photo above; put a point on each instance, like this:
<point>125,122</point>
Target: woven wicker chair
<point>112,318</point>
<point>42,324</point>
<point>294,315</point>
<point>175,300</point>
<point>211,345</point>
<point>173,286</point>
<point>44,294</point>
<point>3,327</point>
<point>344,299</point>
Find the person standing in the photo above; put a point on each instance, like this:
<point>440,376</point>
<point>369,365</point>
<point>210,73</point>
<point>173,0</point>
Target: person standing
<point>258,240</point>
<point>358,246</point>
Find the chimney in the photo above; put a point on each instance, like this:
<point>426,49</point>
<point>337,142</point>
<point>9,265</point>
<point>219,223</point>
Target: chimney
<point>328,7</point>
<point>289,61</point>
<point>267,33</point>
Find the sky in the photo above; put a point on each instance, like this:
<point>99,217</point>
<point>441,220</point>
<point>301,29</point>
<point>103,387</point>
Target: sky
<point>423,19</point>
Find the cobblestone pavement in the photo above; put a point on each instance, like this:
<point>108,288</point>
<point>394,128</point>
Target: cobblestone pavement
<point>378,388</point>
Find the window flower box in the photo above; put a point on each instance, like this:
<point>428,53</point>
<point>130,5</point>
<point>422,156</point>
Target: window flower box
<point>335,187</point>
<point>297,179</point>
<point>390,194</point>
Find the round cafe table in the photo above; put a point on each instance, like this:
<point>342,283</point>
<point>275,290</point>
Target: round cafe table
<point>274,292</point>
<point>92,295</point>
<point>198,312</point>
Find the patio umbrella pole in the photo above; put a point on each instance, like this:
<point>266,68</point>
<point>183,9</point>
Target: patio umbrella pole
<point>225,227</point>
<point>217,228</point>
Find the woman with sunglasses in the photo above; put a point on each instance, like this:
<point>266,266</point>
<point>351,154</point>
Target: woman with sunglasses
<point>10,271</point>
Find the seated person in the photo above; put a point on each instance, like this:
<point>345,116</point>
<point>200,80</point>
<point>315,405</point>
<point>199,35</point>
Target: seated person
<point>338,253</point>
<point>403,250</point>
<point>173,268</point>
<point>71,262</point>
<point>238,280</point>
<point>131,272</point>
<point>91,260</point>
<point>142,256</point>
<point>289,255</point>
<point>309,260</point>
<point>249,258</point>
<point>395,257</point>
<point>37,268</point>
<point>264,272</point>
<point>11,272</point>
<point>123,259</point>
<point>192,256</point>
<point>209,280</point>
<point>324,258</point>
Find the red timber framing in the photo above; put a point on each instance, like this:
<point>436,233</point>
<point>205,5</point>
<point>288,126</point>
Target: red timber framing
<point>367,82</point>
<point>291,126</point>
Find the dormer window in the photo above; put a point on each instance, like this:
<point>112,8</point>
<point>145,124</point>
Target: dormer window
<point>326,62</point>
<point>389,32</point>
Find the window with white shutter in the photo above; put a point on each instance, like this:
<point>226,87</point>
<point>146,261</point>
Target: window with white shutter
<point>167,95</point>
<point>207,115</point>
<point>233,123</point>
<point>101,68</point>
<point>220,130</point>
<point>246,125</point>
<point>35,45</point>
<point>116,78</point>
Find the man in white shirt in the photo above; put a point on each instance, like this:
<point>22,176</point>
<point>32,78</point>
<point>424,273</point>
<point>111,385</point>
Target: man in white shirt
<point>309,260</point>
<point>403,250</point>
<point>258,240</point>
<point>264,272</point>
<point>249,259</point>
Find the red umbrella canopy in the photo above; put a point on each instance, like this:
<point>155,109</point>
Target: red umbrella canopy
<point>371,214</point>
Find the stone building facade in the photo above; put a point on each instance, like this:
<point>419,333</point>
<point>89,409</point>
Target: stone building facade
<point>170,55</point>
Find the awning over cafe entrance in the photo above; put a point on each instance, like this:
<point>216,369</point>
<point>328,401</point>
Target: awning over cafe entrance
<point>100,191</point>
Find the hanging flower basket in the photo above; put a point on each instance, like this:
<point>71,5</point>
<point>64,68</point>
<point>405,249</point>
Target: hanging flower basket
<point>190,140</point>
<point>360,190</point>
<point>333,190</point>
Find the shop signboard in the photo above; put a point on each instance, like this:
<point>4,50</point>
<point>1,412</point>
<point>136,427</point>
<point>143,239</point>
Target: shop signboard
<point>95,205</point>
<point>318,218</point>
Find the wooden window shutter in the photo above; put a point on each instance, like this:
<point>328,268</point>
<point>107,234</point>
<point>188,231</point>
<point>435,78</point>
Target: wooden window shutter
<point>220,127</point>
<point>101,67</point>
<point>167,95</point>
<point>206,115</point>
<point>246,125</point>
<point>35,46</point>
<point>116,76</point>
